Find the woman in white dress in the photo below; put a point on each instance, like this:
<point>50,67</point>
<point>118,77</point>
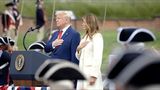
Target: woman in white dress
<point>89,52</point>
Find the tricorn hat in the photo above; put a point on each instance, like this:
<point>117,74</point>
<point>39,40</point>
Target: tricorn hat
<point>37,45</point>
<point>123,58</point>
<point>7,41</point>
<point>11,42</point>
<point>9,4</point>
<point>133,34</point>
<point>55,70</point>
<point>136,69</point>
<point>4,40</point>
<point>147,74</point>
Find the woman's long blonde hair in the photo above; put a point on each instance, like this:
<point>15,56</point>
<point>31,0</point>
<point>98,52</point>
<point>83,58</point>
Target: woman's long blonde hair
<point>91,25</point>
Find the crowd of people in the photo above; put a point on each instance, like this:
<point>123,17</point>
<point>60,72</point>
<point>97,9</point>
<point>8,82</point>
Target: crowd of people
<point>66,46</point>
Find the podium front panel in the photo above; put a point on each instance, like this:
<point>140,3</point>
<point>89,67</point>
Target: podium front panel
<point>25,63</point>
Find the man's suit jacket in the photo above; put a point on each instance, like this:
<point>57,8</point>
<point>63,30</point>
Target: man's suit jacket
<point>67,49</point>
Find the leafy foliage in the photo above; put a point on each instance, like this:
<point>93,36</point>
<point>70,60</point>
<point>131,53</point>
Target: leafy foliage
<point>144,9</point>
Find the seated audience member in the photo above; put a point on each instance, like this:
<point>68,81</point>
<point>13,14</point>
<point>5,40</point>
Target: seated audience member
<point>53,73</point>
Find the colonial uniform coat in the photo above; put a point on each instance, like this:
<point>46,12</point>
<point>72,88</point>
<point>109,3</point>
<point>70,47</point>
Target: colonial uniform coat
<point>90,59</point>
<point>8,21</point>
<point>4,67</point>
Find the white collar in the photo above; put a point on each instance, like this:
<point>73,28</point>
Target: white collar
<point>65,28</point>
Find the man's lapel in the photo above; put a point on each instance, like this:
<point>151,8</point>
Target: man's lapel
<point>55,35</point>
<point>66,33</point>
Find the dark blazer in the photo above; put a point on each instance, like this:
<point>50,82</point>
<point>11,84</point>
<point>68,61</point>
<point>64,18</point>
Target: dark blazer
<point>67,49</point>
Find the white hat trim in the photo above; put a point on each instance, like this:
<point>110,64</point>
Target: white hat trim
<point>40,69</point>
<point>12,40</point>
<point>59,66</point>
<point>35,44</point>
<point>4,65</point>
<point>42,42</point>
<point>3,40</point>
<point>120,29</point>
<point>133,34</point>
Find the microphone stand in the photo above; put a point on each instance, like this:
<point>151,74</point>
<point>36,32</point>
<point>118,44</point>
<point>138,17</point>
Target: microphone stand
<point>24,44</point>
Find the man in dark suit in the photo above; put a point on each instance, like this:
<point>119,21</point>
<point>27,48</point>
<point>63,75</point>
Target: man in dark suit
<point>63,42</point>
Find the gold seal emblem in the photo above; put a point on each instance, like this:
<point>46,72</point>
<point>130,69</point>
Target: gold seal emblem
<point>19,63</point>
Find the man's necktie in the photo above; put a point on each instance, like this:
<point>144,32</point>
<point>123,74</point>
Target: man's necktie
<point>60,34</point>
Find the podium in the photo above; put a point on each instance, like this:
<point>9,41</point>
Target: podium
<point>24,65</point>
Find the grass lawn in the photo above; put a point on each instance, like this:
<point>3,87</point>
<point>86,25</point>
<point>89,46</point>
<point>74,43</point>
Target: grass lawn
<point>30,38</point>
<point>115,9</point>
<point>110,42</point>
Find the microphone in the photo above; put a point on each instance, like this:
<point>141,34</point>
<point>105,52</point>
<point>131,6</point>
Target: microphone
<point>34,28</point>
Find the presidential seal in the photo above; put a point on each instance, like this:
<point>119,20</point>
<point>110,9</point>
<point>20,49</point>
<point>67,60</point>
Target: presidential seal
<point>19,62</point>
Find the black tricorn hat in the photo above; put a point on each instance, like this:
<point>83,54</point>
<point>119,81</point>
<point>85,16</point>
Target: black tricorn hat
<point>9,4</point>
<point>133,34</point>
<point>123,58</point>
<point>11,42</point>
<point>44,68</point>
<point>4,41</point>
<point>146,75</point>
<point>56,69</point>
<point>136,69</point>
<point>7,41</point>
<point>37,45</point>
